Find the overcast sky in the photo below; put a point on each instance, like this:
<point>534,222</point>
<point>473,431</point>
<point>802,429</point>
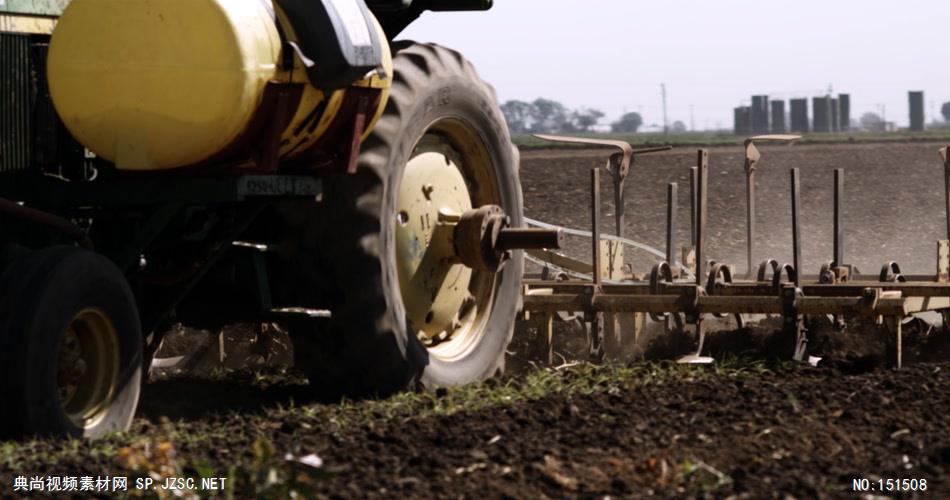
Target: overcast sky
<point>613,55</point>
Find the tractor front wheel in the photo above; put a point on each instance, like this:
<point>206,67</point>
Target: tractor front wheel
<point>406,312</point>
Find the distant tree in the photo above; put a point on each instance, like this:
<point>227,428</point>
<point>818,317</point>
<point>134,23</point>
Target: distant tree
<point>630,122</point>
<point>519,115</point>
<point>678,127</point>
<point>584,118</point>
<point>872,122</point>
<point>550,116</point>
<point>945,111</point>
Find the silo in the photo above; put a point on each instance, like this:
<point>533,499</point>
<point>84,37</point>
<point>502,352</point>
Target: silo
<point>778,117</point>
<point>916,110</point>
<point>844,111</point>
<point>743,120</point>
<point>760,114</point>
<point>821,107</point>
<point>835,116</point>
<point>799,112</point>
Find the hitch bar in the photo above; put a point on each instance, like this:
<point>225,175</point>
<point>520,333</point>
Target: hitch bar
<point>529,238</point>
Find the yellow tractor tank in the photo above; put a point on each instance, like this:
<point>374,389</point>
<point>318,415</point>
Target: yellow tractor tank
<point>154,85</point>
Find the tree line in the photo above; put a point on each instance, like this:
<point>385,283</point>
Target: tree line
<point>549,116</point>
<point>875,122</point>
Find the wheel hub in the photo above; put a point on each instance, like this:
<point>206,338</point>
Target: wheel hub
<point>434,285</point>
<point>88,367</point>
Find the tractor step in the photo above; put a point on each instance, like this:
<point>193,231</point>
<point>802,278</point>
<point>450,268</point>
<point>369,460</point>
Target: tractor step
<point>300,312</point>
<point>253,245</point>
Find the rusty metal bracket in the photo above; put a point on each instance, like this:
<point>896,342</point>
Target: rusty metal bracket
<point>343,136</point>
<point>282,98</point>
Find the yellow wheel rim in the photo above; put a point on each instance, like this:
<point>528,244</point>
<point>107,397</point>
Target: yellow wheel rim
<point>447,304</point>
<point>88,367</point>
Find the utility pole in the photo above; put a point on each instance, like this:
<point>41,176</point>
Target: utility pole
<point>666,127</point>
<point>882,109</point>
<point>692,119</point>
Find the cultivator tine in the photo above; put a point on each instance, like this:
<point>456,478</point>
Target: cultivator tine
<point>899,343</point>
<point>793,320</point>
<point>796,227</point>
<point>752,157</point>
<point>702,164</point>
<point>595,222</point>
<point>596,319</point>
<point>671,208</point>
<point>693,172</point>
<point>702,177</point>
<point>945,156</point>
<point>596,339</point>
<point>838,258</point>
<point>838,290</point>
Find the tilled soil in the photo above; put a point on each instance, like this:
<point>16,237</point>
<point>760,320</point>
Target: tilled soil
<point>893,203</point>
<point>775,431</point>
<point>739,429</point>
<point>806,433</point>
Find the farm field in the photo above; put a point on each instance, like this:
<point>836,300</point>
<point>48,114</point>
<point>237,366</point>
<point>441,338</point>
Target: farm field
<point>893,205</point>
<point>745,427</point>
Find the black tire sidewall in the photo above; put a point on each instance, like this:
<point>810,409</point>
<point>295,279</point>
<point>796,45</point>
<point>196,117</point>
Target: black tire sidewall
<point>453,96</point>
<point>42,294</point>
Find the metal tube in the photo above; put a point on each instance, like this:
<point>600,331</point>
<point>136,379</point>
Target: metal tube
<point>702,163</point>
<point>595,221</point>
<point>796,228</point>
<point>946,183</point>
<point>750,217</point>
<point>47,219</point>
<point>525,238</point>
<point>692,206</point>
<point>671,207</point>
<point>839,218</point>
<point>619,204</point>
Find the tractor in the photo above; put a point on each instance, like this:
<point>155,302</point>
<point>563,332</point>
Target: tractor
<point>210,162</point>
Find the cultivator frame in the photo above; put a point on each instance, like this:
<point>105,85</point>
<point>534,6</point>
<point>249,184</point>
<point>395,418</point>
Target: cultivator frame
<point>614,301</point>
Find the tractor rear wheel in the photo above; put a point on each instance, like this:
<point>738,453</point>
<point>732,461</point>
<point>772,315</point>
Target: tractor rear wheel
<point>70,346</point>
<point>403,314</point>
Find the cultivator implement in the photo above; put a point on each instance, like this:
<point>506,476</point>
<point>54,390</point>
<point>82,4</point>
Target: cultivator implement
<point>614,302</point>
